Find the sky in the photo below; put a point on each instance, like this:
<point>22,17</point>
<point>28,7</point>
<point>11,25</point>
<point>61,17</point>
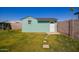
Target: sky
<point>16,13</point>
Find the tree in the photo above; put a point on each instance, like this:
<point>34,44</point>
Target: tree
<point>72,9</point>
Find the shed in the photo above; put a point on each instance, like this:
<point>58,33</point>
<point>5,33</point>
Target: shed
<point>30,24</point>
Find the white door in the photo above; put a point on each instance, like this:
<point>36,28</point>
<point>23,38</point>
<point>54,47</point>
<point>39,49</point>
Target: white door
<point>53,27</point>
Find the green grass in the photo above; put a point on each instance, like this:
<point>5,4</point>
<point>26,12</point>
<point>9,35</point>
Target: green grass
<point>16,41</point>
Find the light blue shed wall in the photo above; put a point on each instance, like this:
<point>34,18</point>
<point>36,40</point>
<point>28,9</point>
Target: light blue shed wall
<point>34,26</point>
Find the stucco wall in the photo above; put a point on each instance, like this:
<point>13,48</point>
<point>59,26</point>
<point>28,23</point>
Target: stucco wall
<point>35,28</point>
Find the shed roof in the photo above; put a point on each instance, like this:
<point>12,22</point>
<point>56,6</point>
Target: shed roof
<point>43,19</point>
<point>46,19</point>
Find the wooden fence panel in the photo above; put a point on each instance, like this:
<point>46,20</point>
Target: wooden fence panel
<point>70,28</point>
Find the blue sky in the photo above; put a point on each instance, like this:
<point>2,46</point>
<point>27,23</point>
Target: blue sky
<point>16,13</point>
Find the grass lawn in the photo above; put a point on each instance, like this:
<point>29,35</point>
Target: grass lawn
<point>16,41</point>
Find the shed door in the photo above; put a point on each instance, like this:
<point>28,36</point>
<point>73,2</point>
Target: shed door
<point>53,27</point>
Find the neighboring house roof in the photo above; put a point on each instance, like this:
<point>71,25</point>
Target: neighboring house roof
<point>76,13</point>
<point>15,21</point>
<point>4,23</point>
